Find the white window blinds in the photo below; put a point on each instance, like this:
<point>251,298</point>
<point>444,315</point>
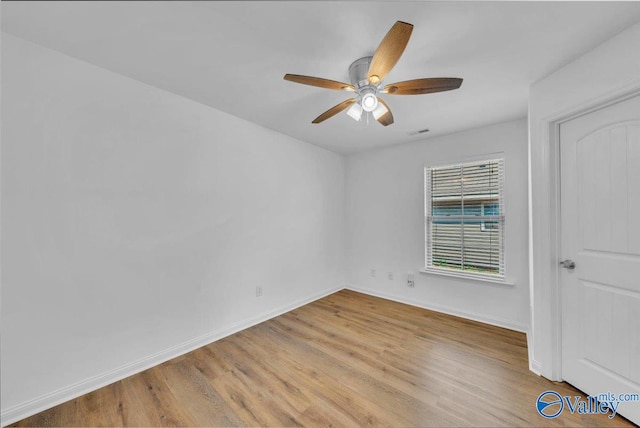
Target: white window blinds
<point>464,218</point>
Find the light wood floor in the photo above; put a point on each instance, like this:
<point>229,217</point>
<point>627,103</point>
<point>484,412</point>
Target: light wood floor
<point>345,360</point>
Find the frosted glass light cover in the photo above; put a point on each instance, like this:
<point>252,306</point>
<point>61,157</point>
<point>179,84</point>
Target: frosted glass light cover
<point>369,102</point>
<point>355,111</point>
<point>379,111</point>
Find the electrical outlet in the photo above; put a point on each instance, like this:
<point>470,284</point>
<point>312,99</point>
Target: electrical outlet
<point>390,276</point>
<point>410,282</point>
<point>258,291</point>
<point>372,273</point>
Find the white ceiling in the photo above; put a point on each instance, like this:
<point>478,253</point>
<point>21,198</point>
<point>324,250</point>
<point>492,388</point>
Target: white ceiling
<point>233,55</point>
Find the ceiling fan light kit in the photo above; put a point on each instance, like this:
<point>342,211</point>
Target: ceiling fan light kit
<point>367,74</point>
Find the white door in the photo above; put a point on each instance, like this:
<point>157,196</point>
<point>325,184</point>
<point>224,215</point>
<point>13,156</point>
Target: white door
<point>600,232</point>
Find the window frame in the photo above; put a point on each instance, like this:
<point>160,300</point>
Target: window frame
<point>429,266</point>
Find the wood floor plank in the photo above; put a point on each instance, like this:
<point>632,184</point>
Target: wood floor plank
<point>190,385</point>
<point>246,382</point>
<point>208,362</point>
<point>324,388</point>
<point>150,402</point>
<point>346,360</point>
<point>365,360</point>
<point>324,414</point>
<point>401,406</point>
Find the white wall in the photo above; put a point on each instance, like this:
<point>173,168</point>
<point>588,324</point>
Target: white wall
<point>603,74</point>
<point>136,224</point>
<point>385,225</point>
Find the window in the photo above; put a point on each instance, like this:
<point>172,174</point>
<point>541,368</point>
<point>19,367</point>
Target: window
<point>464,219</point>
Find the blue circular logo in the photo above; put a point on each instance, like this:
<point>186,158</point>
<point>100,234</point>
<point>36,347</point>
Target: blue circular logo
<point>549,404</point>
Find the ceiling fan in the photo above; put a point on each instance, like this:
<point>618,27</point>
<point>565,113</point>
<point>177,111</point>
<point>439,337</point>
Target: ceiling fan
<point>366,75</point>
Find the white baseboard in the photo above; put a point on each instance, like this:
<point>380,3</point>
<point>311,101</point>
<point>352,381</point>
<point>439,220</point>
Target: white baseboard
<point>38,404</point>
<point>535,367</point>
<point>445,310</point>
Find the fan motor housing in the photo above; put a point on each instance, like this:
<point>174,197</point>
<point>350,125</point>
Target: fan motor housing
<point>359,71</point>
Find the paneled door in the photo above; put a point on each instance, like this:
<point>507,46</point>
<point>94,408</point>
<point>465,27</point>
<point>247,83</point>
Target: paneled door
<point>600,245</point>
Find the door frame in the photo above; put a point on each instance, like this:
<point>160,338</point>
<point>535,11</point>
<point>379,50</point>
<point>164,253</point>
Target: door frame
<point>550,126</point>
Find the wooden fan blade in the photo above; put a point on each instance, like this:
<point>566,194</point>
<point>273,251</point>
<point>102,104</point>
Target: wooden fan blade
<point>319,82</point>
<point>334,110</point>
<point>389,51</point>
<point>387,118</point>
<point>423,86</point>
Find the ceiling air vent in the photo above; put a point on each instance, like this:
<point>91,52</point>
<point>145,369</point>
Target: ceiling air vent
<point>422,131</point>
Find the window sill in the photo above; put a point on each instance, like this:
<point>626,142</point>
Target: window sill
<point>489,280</point>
